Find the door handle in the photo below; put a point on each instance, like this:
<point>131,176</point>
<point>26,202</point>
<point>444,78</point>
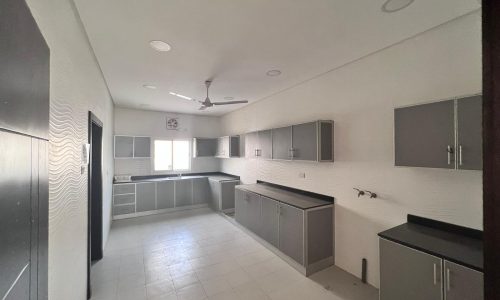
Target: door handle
<point>460,155</point>
<point>448,284</point>
<point>435,273</point>
<point>449,150</point>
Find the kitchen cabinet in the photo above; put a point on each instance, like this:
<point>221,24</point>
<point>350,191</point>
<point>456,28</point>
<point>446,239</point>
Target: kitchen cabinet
<point>469,133</point>
<point>265,149</point>
<point>270,221</point>
<point>142,146</point>
<point>183,192</point>
<point>201,191</point>
<point>250,210</point>
<point>223,147</point>
<point>252,145</point>
<point>227,194</point>
<point>215,195</point>
<point>240,205</point>
<point>291,237</point>
<point>124,198</point>
<point>165,194</point>
<point>409,274</point>
<point>204,147</point>
<point>444,134</point>
<point>124,146</point>
<point>305,141</point>
<point>462,283</point>
<point>145,196</point>
<point>282,143</point>
<point>234,146</point>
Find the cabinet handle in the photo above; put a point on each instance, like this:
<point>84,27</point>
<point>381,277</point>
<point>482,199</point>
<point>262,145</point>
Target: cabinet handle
<point>449,150</point>
<point>460,155</point>
<point>435,273</point>
<point>448,285</point>
<point>291,152</point>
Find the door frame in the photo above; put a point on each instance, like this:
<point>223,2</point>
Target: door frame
<point>491,146</point>
<point>92,120</point>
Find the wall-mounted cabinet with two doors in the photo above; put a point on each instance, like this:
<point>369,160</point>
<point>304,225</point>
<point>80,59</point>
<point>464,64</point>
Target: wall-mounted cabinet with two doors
<point>311,141</point>
<point>132,146</point>
<point>222,147</point>
<point>446,134</point>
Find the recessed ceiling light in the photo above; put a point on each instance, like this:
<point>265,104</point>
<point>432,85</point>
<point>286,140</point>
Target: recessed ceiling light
<point>180,96</point>
<point>149,86</point>
<point>395,5</point>
<point>160,46</point>
<point>229,98</point>
<point>273,73</point>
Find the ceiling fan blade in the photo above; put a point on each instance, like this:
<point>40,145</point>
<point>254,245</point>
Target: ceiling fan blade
<point>230,102</point>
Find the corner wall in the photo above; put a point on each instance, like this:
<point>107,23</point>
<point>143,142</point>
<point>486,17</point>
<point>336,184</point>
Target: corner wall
<point>360,97</point>
<point>76,86</point>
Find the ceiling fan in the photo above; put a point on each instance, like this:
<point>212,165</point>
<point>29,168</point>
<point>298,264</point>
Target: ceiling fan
<point>207,103</point>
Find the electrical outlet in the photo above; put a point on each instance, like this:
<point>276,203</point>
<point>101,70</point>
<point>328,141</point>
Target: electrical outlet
<point>302,175</point>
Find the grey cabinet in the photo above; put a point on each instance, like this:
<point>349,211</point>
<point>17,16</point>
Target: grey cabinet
<point>142,146</point>
<point>265,149</point>
<point>291,235</point>
<point>326,141</point>
<point>234,146</point>
<point>469,133</point>
<point>183,192</point>
<point>462,283</point>
<point>252,145</point>
<point>227,194</point>
<point>165,194</point>
<point>240,205</point>
<point>282,143</point>
<point>124,199</point>
<point>425,135</point>
<point>145,196</point>
<point>201,191</point>
<point>215,195</point>
<point>204,147</point>
<point>305,141</point>
<point>409,274</point>
<point>124,188</point>
<point>270,221</point>
<point>444,134</point>
<point>248,210</point>
<point>124,146</point>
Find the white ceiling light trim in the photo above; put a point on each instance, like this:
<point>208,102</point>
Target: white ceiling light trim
<point>160,46</point>
<point>180,96</point>
<point>391,6</point>
<point>273,73</point>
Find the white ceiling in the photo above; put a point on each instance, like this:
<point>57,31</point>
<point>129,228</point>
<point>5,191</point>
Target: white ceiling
<point>235,42</point>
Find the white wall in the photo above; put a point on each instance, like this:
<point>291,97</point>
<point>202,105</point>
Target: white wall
<point>153,123</point>
<point>360,98</point>
<point>76,86</point>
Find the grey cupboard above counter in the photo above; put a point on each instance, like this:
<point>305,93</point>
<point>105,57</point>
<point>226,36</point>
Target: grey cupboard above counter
<point>146,195</point>
<point>222,147</point>
<point>132,146</point>
<point>296,225</point>
<point>428,259</point>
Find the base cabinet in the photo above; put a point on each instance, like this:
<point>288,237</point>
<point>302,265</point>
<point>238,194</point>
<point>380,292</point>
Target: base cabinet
<point>409,274</point>
<point>291,227</point>
<point>270,221</point>
<point>145,196</point>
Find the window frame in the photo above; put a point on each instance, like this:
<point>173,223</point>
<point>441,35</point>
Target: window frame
<point>172,171</point>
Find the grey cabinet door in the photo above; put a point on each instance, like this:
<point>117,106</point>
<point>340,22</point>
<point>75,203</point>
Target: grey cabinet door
<point>326,141</point>
<point>215,195</point>
<point>253,213</point>
<point>265,144</point>
<point>408,274</point>
<point>240,207</point>
<point>305,141</point>
<point>424,135</point>
<point>270,221</point>
<point>227,194</point>
<point>165,194</point>
<point>251,144</point>
<point>204,147</point>
<point>282,143</point>
<point>145,196</point>
<point>183,192</point>
<point>142,146</point>
<point>124,146</point>
<point>201,191</point>
<point>462,283</point>
<point>123,188</point>
<point>469,137</point>
<point>234,147</point>
<point>291,232</point>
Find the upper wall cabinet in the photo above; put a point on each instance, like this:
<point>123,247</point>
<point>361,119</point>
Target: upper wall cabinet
<point>204,147</point>
<point>132,147</point>
<point>228,146</point>
<point>311,141</point>
<point>444,134</point>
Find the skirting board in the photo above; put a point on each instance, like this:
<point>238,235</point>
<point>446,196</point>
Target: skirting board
<point>159,211</point>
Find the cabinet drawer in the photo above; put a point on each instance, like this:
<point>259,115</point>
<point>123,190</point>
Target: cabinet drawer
<point>123,209</point>
<point>119,189</point>
<point>124,199</point>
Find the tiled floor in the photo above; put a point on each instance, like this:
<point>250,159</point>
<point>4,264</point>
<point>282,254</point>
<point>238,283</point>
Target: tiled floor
<point>199,254</point>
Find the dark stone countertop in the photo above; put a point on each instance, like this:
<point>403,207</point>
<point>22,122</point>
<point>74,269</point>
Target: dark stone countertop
<point>454,243</point>
<point>219,176</point>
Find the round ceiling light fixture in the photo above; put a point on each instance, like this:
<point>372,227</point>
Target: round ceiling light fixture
<point>391,6</point>
<point>160,46</point>
<point>149,86</point>
<point>273,73</point>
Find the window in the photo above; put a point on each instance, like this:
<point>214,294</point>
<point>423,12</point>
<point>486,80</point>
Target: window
<point>171,155</point>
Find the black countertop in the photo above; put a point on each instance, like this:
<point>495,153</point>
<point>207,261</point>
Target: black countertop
<point>295,198</point>
<point>454,243</point>
<point>219,176</point>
